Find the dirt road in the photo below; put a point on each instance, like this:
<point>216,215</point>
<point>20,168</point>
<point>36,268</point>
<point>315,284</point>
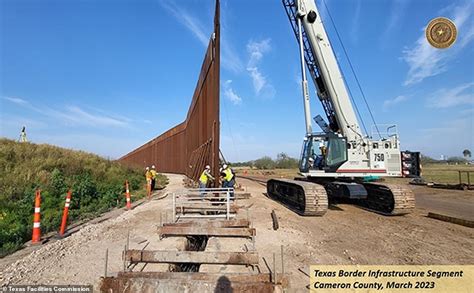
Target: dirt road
<point>345,235</point>
<point>350,235</point>
<point>455,203</point>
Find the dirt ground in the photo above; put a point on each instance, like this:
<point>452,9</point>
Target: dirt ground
<point>345,235</point>
<point>350,235</point>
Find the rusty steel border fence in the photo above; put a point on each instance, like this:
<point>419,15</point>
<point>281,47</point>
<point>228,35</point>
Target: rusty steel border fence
<point>191,145</point>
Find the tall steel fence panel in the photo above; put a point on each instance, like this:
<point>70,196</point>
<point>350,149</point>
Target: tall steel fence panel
<point>188,147</point>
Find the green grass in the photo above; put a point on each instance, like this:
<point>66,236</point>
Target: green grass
<point>443,173</point>
<point>97,186</point>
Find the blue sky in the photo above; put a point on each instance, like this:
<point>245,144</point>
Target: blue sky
<point>106,76</point>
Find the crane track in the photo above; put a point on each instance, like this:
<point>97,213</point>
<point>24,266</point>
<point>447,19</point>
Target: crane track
<point>384,199</point>
<point>305,198</point>
<point>389,199</point>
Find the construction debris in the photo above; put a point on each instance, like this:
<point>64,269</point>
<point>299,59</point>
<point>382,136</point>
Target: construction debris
<point>275,220</point>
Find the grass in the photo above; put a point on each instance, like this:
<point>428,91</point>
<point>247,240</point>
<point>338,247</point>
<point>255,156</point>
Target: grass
<point>97,186</point>
<point>443,173</point>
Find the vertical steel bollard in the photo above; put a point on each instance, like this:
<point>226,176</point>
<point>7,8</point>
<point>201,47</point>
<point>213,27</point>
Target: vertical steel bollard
<point>65,213</point>
<point>228,205</point>
<point>274,269</point>
<point>174,207</point>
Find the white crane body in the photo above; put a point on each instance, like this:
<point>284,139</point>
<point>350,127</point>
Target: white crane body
<point>335,163</point>
<point>361,156</point>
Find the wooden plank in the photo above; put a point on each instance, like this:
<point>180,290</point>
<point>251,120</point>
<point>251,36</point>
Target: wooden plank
<point>210,277</point>
<point>213,224</point>
<point>200,257</point>
<point>453,220</point>
<point>179,209</point>
<point>132,285</point>
<point>219,232</point>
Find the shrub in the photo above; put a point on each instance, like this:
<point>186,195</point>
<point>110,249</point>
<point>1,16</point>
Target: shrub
<point>96,183</point>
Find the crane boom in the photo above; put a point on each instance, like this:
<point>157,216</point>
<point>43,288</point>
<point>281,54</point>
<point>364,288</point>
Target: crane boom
<point>323,67</point>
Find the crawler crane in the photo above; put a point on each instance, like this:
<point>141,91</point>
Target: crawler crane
<point>334,162</point>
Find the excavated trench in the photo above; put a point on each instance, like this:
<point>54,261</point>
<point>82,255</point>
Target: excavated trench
<point>193,243</point>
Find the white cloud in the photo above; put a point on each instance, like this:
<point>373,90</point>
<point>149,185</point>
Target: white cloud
<point>75,115</point>
<point>18,101</point>
<point>356,22</point>
<point>397,100</point>
<point>256,52</point>
<point>187,20</point>
<point>80,116</point>
<point>230,94</point>
<point>396,12</point>
<point>457,96</point>
<point>229,57</point>
<point>425,61</point>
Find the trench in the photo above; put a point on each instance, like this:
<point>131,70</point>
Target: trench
<point>193,243</point>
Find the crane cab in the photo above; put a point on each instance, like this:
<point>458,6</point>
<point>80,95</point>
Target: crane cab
<point>323,152</point>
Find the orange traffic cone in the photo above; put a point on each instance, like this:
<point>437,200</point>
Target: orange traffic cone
<point>36,238</point>
<point>65,212</point>
<point>127,195</point>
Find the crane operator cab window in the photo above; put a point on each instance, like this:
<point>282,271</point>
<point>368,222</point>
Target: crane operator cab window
<point>323,153</point>
<point>313,154</point>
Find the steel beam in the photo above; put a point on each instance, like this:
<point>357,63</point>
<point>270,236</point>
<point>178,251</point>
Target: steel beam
<point>213,224</point>
<point>200,257</point>
<point>207,231</point>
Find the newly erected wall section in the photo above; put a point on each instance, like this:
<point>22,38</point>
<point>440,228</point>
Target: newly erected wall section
<point>188,147</point>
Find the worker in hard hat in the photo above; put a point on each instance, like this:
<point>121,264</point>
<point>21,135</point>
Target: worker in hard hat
<point>153,177</point>
<point>228,177</point>
<point>148,181</point>
<point>205,178</point>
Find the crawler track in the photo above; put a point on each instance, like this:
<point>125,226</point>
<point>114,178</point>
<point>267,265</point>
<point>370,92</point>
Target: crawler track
<point>389,199</point>
<point>310,199</point>
<point>305,198</point>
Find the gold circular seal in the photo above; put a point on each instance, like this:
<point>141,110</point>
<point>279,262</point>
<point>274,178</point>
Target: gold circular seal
<point>441,33</point>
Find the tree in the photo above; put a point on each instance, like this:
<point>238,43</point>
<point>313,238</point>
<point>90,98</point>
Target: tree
<point>264,163</point>
<point>466,153</point>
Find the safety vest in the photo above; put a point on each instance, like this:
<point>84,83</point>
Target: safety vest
<point>228,175</point>
<point>204,177</point>
<point>148,175</point>
<point>153,174</point>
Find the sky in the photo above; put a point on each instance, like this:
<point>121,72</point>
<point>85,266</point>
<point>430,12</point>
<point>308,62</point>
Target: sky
<point>106,76</point>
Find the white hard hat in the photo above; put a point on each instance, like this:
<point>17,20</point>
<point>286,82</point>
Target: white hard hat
<point>321,144</point>
<point>153,167</point>
<point>208,167</point>
<point>311,159</point>
<point>147,168</point>
<point>224,166</point>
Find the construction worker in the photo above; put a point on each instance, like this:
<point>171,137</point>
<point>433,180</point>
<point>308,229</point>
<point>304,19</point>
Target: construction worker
<point>205,178</point>
<point>153,177</point>
<point>148,181</point>
<point>228,177</point>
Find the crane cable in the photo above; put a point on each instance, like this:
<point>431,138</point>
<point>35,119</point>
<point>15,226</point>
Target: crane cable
<point>355,75</point>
